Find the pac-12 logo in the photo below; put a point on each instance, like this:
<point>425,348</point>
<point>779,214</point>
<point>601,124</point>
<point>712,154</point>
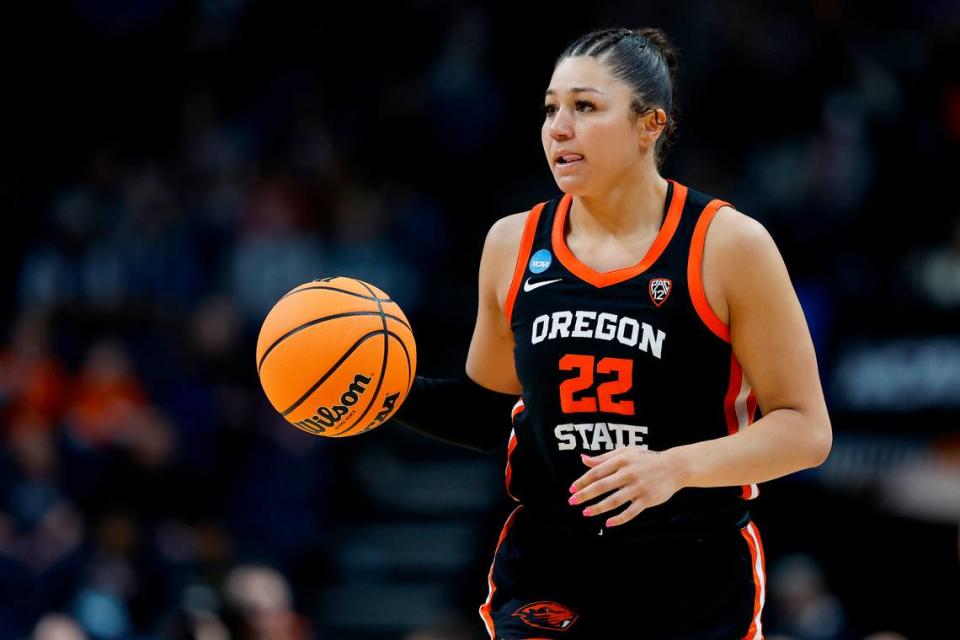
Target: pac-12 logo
<point>660,290</point>
<point>540,261</point>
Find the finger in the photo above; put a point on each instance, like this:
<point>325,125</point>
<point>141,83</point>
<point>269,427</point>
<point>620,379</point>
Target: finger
<point>601,486</point>
<point>609,503</point>
<point>595,460</point>
<point>603,470</point>
<point>629,514</point>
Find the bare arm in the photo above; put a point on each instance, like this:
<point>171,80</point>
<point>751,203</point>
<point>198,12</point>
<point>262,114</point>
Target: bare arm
<point>490,358</point>
<point>770,339</point>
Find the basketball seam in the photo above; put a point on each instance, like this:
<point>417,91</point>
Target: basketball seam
<point>406,354</point>
<point>330,371</point>
<point>317,321</point>
<point>383,364</point>
<point>349,293</point>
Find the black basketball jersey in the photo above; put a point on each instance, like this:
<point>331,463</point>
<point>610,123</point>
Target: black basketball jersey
<point>633,356</point>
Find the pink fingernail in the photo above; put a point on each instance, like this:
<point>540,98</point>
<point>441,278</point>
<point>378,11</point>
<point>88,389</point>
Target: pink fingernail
<point>609,522</point>
<point>572,500</point>
<point>587,512</point>
<point>573,489</point>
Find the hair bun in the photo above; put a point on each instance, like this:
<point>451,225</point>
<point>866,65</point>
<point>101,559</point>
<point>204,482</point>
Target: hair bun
<point>659,39</point>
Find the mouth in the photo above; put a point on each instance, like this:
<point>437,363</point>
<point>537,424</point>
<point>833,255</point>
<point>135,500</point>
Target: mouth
<point>568,159</point>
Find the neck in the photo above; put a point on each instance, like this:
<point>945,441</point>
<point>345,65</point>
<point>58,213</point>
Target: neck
<point>634,205</point>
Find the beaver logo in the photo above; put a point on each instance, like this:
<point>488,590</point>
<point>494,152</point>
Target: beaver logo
<point>547,615</point>
<point>660,289</point>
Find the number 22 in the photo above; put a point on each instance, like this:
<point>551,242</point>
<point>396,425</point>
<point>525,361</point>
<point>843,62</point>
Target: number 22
<point>585,366</point>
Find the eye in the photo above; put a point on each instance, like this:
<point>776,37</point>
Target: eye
<point>585,105</point>
<point>549,109</point>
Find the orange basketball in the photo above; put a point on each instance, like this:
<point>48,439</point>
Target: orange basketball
<point>336,357</point>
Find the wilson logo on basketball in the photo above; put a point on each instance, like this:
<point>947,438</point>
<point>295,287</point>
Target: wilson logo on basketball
<point>547,615</point>
<point>326,417</point>
<point>660,290</point>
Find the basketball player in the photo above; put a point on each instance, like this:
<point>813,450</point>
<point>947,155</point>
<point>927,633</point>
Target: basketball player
<point>642,323</point>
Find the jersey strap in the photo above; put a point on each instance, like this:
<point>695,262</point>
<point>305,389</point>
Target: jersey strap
<point>695,272</point>
<point>526,242</point>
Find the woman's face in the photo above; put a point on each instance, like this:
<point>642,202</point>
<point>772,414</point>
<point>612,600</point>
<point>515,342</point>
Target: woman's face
<point>587,119</point>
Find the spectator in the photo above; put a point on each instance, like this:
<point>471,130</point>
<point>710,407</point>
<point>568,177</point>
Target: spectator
<point>261,600</point>
<point>56,626</point>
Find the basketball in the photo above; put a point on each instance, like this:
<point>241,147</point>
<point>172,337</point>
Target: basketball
<point>336,357</point>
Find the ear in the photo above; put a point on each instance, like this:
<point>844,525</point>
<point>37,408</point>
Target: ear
<point>652,125</point>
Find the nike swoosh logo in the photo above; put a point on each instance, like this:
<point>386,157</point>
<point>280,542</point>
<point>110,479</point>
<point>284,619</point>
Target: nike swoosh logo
<point>530,286</point>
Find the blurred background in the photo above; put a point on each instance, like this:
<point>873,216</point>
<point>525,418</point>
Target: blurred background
<point>172,168</point>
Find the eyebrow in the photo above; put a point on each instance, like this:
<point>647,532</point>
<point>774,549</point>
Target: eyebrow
<point>551,92</point>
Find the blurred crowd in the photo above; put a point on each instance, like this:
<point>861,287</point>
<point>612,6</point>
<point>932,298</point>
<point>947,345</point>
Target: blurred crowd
<point>214,155</point>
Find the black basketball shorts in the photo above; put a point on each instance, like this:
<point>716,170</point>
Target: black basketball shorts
<point>547,585</point>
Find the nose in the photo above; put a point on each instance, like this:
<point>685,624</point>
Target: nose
<point>561,127</point>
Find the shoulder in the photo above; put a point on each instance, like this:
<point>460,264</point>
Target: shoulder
<point>726,230</point>
<point>742,256</point>
<point>502,245</point>
<point>738,253</point>
<point>504,234</point>
<point>500,252</point>
<point>732,232</point>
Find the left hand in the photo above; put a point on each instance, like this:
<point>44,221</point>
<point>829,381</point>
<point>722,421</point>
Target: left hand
<point>644,478</point>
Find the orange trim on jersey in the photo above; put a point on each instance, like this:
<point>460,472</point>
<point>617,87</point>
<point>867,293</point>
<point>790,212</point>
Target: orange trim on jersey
<point>751,534</point>
<point>508,473</point>
<point>597,279</point>
<point>487,606</point>
<point>751,491</point>
<point>695,272</point>
<point>732,416</point>
<point>526,243</point>
<point>517,408</point>
<point>730,399</point>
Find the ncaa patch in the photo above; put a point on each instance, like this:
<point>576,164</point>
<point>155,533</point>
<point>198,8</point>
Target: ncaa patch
<point>660,290</point>
<point>547,615</point>
<point>540,261</point>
